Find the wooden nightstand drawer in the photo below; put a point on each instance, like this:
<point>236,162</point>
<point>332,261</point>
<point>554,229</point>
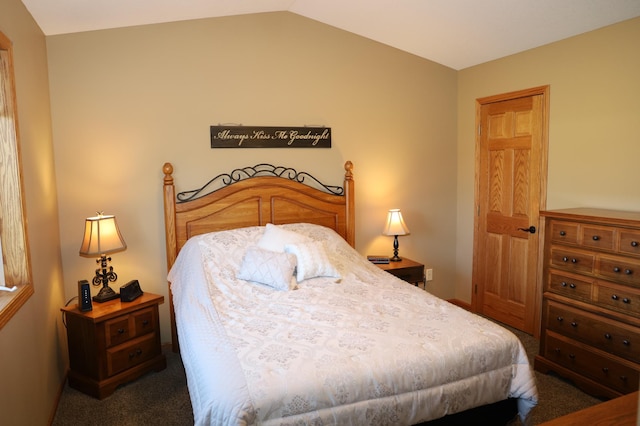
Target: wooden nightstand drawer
<point>611,372</point>
<point>126,327</point>
<point>130,354</point>
<point>406,269</point>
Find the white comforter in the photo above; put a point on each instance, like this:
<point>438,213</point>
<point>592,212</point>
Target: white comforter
<point>366,349</point>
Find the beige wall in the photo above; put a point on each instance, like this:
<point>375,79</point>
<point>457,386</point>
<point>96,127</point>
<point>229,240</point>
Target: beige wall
<point>125,101</point>
<point>594,124</point>
<point>32,346</point>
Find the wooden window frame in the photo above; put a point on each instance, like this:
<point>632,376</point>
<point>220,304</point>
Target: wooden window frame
<point>13,223</point>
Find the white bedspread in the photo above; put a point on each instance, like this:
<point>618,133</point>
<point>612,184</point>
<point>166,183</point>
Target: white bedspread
<point>366,349</point>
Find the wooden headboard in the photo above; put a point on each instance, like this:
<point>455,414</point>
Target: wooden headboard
<point>254,196</point>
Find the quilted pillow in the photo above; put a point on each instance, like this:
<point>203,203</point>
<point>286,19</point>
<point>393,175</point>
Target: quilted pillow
<point>276,237</point>
<point>313,260</point>
<point>268,267</point>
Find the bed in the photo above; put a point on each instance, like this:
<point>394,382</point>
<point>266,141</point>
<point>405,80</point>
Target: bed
<point>279,321</point>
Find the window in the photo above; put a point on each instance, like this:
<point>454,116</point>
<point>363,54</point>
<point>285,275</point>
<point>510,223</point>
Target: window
<point>13,230</point>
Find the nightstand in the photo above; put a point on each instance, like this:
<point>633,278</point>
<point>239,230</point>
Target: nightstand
<point>406,269</point>
<point>113,344</point>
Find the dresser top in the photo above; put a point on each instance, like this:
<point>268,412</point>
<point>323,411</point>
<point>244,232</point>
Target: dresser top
<point>616,217</point>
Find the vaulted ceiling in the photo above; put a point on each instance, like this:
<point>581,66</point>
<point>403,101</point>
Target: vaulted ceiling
<point>454,33</point>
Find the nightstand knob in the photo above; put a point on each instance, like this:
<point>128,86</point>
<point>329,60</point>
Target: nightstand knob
<point>605,370</point>
<point>120,330</point>
<point>607,336</point>
<point>560,319</point>
<point>634,244</point>
<point>562,233</point>
<point>595,238</point>
<point>572,356</point>
<point>574,324</point>
<point>614,296</point>
<point>145,322</point>
<point>626,342</point>
<point>623,378</point>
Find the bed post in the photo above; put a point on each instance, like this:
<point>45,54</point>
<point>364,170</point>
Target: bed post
<point>349,193</point>
<point>171,242</point>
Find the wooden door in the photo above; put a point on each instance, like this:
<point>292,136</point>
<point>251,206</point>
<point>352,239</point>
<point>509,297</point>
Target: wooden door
<point>511,161</point>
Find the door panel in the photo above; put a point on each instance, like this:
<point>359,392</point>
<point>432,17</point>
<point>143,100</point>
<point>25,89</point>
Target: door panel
<point>510,191</point>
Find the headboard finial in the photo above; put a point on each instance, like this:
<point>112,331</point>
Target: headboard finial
<point>167,169</point>
<point>348,167</point>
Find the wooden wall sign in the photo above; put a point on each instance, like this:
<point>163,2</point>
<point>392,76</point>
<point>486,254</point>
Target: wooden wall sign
<point>270,137</point>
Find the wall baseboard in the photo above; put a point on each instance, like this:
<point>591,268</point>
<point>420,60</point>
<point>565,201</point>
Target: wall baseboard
<point>460,303</point>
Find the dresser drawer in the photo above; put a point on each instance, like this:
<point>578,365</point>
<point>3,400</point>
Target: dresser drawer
<point>607,370</point>
<point>599,237</point>
<point>609,335</point>
<point>572,260</point>
<point>619,298</point>
<point>570,286</point>
<point>620,269</point>
<point>629,242</point>
<point>136,351</point>
<point>563,232</point>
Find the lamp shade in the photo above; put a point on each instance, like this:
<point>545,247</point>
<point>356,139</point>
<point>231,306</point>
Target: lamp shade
<point>395,224</point>
<point>101,236</point>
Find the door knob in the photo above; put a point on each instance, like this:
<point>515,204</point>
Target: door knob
<point>531,229</point>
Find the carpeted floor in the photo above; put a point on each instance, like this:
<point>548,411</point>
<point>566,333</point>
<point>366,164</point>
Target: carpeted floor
<point>163,398</point>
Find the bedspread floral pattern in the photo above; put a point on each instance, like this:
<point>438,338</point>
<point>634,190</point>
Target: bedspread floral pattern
<point>367,346</point>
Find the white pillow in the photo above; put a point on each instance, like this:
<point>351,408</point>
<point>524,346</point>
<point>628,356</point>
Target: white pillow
<point>275,238</point>
<point>268,267</point>
<point>312,260</point>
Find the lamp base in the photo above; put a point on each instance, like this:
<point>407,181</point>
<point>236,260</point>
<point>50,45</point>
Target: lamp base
<point>105,294</point>
<point>395,259</point>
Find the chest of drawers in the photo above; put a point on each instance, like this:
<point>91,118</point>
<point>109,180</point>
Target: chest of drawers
<point>114,343</point>
<point>590,331</point>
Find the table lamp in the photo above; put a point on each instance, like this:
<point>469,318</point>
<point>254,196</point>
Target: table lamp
<point>102,237</point>
<point>395,226</point>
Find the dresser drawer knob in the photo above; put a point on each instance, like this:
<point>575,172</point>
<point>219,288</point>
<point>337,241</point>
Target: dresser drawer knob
<point>572,285</point>
<point>626,342</point>
<point>595,238</point>
<point>574,324</point>
<point>120,330</point>
<point>605,370</point>
<point>607,336</point>
<point>563,284</point>
<point>628,271</point>
<point>572,356</point>
<point>623,378</point>
<point>614,296</point>
<point>634,244</point>
<point>626,300</point>
<point>616,269</point>
<point>560,319</point>
<point>565,259</point>
<point>574,260</point>
<point>562,234</point>
<point>145,322</point>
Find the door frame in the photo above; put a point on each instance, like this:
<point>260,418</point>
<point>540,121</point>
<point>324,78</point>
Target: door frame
<point>544,91</point>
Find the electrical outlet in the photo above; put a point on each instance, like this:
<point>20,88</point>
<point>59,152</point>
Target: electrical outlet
<point>429,274</point>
